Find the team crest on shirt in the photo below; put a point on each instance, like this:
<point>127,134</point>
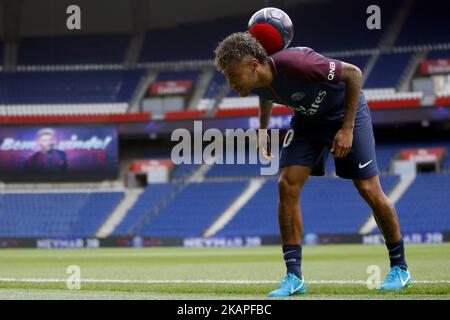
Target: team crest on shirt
<point>314,106</point>
<point>297,96</point>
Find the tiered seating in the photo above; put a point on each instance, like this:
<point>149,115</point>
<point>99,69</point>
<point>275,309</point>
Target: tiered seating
<point>55,214</point>
<point>329,205</point>
<point>315,25</point>
<point>239,102</point>
<point>178,75</point>
<point>237,170</point>
<point>358,60</point>
<point>438,54</point>
<point>63,109</point>
<point>389,98</point>
<point>62,50</point>
<point>193,210</point>
<point>1,54</point>
<point>194,41</point>
<point>217,82</point>
<point>387,70</point>
<point>424,206</point>
<point>68,87</point>
<point>149,200</point>
<point>388,150</point>
<point>183,171</point>
<point>321,36</point>
<point>427,23</point>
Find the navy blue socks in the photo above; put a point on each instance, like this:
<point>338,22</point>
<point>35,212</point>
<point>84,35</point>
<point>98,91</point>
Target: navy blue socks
<point>397,254</point>
<point>293,259</point>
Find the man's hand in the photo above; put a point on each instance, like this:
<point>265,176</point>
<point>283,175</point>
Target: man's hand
<point>264,144</point>
<point>342,143</point>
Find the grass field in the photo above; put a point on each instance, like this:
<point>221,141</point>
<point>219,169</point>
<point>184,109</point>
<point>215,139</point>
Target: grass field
<point>333,272</point>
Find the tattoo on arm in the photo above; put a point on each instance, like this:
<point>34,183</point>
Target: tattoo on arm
<point>352,77</point>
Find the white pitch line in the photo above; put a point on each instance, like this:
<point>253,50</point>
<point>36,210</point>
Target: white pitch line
<point>44,280</point>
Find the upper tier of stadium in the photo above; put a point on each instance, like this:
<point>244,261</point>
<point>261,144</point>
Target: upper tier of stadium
<point>110,71</point>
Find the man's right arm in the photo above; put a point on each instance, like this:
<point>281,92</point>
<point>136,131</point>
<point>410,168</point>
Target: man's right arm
<point>265,110</point>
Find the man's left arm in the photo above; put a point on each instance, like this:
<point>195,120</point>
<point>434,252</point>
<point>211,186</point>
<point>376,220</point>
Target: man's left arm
<point>343,140</point>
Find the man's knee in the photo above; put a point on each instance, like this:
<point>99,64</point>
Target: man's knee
<point>288,189</point>
<point>371,191</point>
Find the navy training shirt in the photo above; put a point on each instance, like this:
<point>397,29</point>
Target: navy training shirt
<point>308,83</point>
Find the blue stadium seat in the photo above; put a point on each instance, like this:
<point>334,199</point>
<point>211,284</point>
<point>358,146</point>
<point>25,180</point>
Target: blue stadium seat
<point>427,23</point>
<point>178,75</point>
<point>388,70</point>
<point>1,51</point>
<point>438,54</point>
<point>78,49</point>
<point>424,206</point>
<point>68,87</point>
<point>55,214</point>
<point>149,199</point>
<point>236,170</point>
<point>315,24</point>
<point>217,82</point>
<point>190,212</point>
<point>329,205</point>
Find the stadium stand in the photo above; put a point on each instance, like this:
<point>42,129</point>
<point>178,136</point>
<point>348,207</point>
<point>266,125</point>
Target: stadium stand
<point>178,208</point>
<point>388,70</point>
<point>188,213</point>
<point>55,214</point>
<point>73,50</point>
<point>425,24</point>
<point>259,215</point>
<point>217,82</point>
<point>65,87</point>
<point>183,171</point>
<point>438,54</point>
<point>424,206</point>
<point>178,75</point>
<point>1,53</point>
<point>147,203</point>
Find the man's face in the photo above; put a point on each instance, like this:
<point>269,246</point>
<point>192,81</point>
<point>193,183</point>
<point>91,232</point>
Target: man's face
<point>46,142</point>
<point>241,76</point>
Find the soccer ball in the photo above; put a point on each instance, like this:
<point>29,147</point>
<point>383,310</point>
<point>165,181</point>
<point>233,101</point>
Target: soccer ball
<point>273,28</point>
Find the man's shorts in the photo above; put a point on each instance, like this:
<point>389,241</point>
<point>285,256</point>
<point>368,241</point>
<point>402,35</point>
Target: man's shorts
<point>309,145</point>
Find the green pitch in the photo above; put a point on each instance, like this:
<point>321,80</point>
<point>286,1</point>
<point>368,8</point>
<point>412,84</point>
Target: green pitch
<point>333,272</point>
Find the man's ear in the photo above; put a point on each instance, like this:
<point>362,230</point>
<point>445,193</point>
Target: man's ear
<point>254,64</point>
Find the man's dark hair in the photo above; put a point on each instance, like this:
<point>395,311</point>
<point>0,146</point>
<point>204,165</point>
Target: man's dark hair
<point>236,47</point>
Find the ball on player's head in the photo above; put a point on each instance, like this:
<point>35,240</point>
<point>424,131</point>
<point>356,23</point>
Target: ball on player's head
<point>273,28</point>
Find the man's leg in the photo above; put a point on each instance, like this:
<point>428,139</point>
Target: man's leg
<point>290,183</point>
<point>383,209</point>
<point>385,215</point>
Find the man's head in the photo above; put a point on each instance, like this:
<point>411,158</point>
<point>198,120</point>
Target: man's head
<point>46,139</point>
<point>239,57</point>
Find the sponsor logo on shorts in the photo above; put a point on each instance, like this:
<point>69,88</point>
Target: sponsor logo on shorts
<point>362,166</point>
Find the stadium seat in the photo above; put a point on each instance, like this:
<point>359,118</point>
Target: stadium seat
<point>424,206</point>
<point>73,50</point>
<point>329,205</point>
<point>187,212</point>
<point>66,87</point>
<point>55,214</point>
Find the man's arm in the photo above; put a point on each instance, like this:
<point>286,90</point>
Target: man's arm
<point>352,77</point>
<point>265,110</point>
